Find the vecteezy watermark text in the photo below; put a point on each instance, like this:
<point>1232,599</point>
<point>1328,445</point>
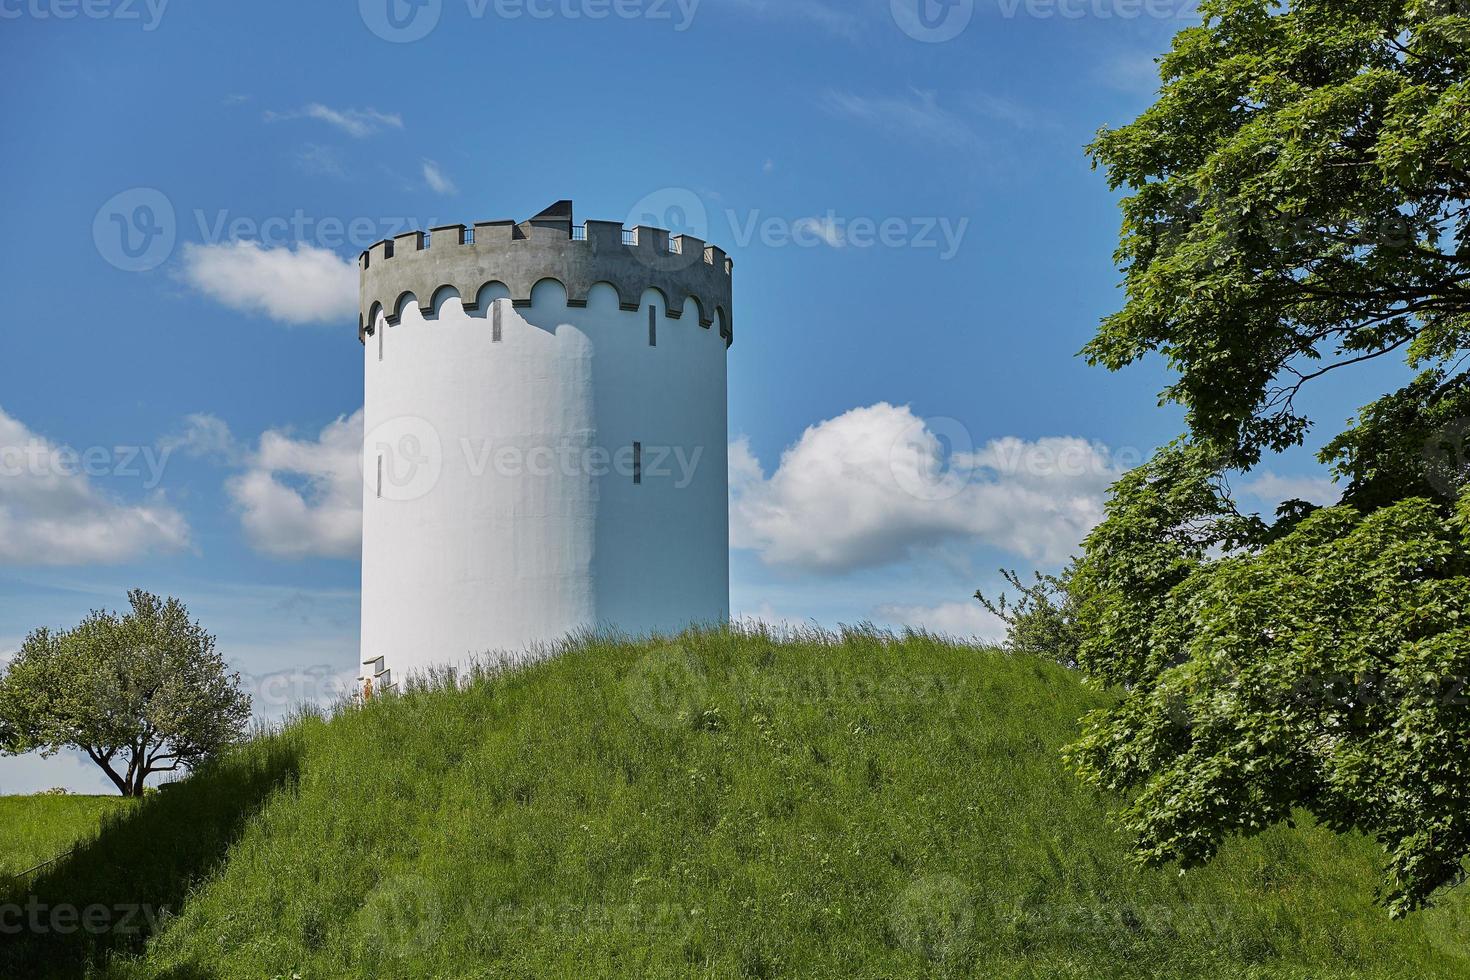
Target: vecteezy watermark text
<point>148,13</point>
<point>1097,9</point>
<point>945,235</point>
<point>406,21</point>
<point>358,232</point>
<point>37,458</point>
<point>570,459</point>
<point>405,457</point>
<point>138,229</point>
<point>936,21</point>
<point>42,918</point>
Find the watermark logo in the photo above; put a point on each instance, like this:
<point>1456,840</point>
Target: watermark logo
<point>933,459</point>
<point>1447,458</point>
<point>403,459</point>
<point>135,230</point>
<point>666,687</point>
<point>933,918</point>
<point>322,685</point>
<point>933,21</point>
<point>402,915</point>
<point>401,21</point>
<point>677,210</point>
<point>1447,925</point>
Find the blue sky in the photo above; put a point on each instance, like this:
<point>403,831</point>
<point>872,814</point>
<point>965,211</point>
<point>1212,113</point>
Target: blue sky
<point>193,392</point>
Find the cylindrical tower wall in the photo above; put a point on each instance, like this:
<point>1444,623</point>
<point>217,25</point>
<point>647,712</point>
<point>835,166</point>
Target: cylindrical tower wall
<point>546,434</point>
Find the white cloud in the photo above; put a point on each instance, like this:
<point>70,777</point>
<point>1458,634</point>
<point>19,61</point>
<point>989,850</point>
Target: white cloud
<point>1274,489</point>
<point>203,436</point>
<point>876,485</point>
<point>302,498</point>
<point>826,230</point>
<point>438,182</point>
<point>918,116</point>
<point>51,512</point>
<point>965,620</point>
<point>304,284</point>
<point>358,123</point>
<point>320,161</point>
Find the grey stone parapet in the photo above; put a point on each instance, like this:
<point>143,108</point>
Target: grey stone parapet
<point>451,259</point>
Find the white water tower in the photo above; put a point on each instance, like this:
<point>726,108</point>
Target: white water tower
<point>546,437</point>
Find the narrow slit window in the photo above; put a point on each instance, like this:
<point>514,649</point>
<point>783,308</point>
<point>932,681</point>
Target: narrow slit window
<point>637,463</point>
<point>653,326</point>
<point>380,476</point>
<point>495,322</point>
<point>382,329</point>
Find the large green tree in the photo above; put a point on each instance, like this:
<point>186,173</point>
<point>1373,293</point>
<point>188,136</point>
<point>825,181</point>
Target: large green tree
<point>1296,206</point>
<point>141,693</point>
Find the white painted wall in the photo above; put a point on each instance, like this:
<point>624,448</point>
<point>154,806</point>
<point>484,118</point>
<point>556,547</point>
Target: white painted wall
<point>504,519</point>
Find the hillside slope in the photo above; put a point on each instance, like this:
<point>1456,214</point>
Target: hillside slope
<point>34,829</point>
<point>724,805</point>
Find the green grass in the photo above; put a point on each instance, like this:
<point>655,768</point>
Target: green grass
<point>34,829</point>
<point>722,806</point>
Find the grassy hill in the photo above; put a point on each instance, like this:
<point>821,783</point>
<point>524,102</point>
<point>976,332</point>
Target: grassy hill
<point>724,805</point>
<point>34,829</point>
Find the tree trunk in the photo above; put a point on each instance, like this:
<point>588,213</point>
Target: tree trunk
<point>104,763</point>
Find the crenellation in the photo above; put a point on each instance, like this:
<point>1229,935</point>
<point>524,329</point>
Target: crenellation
<point>655,240</point>
<point>494,233</point>
<point>520,255</point>
<point>605,234</point>
<point>691,248</point>
<point>443,235</point>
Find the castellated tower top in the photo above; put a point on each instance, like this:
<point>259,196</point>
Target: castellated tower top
<point>456,260</point>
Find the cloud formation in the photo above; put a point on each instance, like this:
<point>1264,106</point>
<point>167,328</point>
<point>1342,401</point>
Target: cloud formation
<point>202,436</point>
<point>357,123</point>
<point>963,620</point>
<point>878,485</point>
<point>53,513</point>
<point>1273,489</point>
<point>438,182</point>
<point>302,498</point>
<point>304,284</point>
<point>826,230</point>
<point>917,116</point>
<point>871,487</point>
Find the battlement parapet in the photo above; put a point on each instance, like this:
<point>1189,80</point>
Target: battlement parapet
<point>420,267</point>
